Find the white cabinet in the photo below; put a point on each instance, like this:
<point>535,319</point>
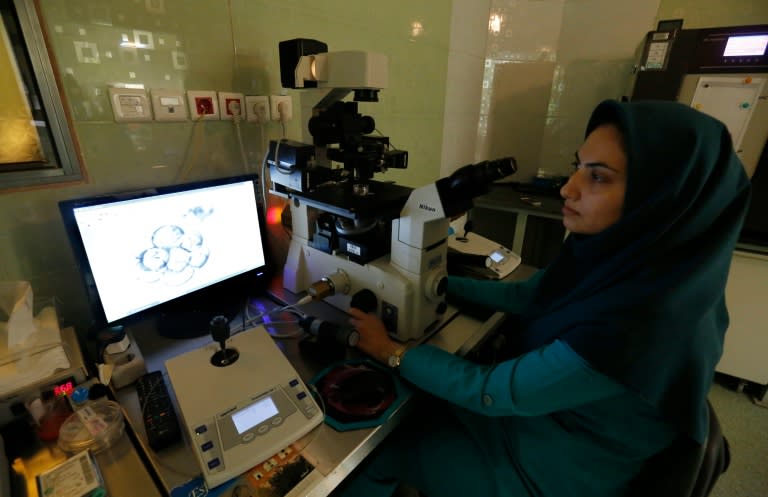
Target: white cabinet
<point>746,342</point>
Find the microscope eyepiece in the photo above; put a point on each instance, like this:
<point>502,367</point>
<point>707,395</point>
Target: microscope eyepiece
<point>457,190</point>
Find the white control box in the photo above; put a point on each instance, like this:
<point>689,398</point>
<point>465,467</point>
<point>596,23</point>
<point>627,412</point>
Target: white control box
<point>130,104</point>
<point>238,415</point>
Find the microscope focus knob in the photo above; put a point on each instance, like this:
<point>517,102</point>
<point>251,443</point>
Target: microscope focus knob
<point>441,308</point>
<point>365,300</point>
<point>436,285</point>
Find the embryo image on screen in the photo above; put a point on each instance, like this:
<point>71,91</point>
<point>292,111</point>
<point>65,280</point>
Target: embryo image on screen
<point>147,251</point>
<point>175,252</point>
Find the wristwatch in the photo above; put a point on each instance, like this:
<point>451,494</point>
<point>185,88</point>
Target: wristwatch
<point>393,361</point>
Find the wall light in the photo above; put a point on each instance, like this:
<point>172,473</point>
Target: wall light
<point>494,23</point>
<point>416,28</point>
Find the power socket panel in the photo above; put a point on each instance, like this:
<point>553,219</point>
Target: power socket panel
<point>203,104</point>
<point>231,105</point>
<point>257,109</point>
<point>276,102</point>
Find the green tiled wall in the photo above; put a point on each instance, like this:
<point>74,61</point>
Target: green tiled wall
<point>222,45</point>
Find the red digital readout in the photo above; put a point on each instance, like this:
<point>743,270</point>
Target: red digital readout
<point>63,389</point>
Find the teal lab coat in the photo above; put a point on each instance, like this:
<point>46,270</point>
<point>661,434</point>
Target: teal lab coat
<point>542,424</point>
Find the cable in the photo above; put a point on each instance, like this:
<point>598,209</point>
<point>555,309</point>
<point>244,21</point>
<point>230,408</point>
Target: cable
<point>236,65</point>
<point>249,321</point>
<point>316,395</point>
<point>392,145</point>
<point>278,166</point>
<point>263,180</point>
<point>283,118</point>
<point>185,168</point>
<point>236,110</point>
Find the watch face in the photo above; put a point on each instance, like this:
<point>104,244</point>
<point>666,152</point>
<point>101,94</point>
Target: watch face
<point>393,361</point>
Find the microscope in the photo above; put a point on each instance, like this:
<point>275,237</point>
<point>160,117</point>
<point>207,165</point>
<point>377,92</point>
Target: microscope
<point>357,241</point>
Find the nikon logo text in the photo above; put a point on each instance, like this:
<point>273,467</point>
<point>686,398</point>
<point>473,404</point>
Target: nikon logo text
<point>427,208</point>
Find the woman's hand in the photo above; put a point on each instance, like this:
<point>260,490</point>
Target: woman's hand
<point>374,339</point>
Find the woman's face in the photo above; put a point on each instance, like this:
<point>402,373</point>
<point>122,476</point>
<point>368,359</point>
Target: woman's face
<point>594,194</point>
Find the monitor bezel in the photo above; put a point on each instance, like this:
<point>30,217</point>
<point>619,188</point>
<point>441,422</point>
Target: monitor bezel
<point>253,281</point>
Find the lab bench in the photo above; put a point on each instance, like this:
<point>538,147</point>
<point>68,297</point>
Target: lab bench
<point>334,454</point>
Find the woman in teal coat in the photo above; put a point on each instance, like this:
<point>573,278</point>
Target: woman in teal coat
<point>617,339</point>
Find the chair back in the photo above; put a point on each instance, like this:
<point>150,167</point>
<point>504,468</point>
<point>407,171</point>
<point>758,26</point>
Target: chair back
<point>685,468</point>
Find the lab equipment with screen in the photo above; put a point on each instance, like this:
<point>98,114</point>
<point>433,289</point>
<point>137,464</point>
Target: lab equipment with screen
<point>723,71</point>
<point>182,253</point>
<point>474,255</point>
<point>239,412</point>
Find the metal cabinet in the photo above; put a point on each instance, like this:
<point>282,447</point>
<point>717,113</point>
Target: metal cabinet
<point>745,354</point>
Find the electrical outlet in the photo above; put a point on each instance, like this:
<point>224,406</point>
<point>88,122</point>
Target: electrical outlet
<point>257,109</point>
<point>278,103</point>
<point>169,105</point>
<point>230,105</point>
<point>203,104</point>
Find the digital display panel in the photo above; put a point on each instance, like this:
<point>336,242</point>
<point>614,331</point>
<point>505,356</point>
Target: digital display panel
<point>496,256</point>
<point>740,46</point>
<point>256,413</point>
<point>64,389</point>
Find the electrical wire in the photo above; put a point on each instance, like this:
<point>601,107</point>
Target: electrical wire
<point>263,181</point>
<point>194,140</point>
<point>236,118</point>
<point>236,64</point>
<point>249,321</point>
<point>313,434</point>
<point>391,145</point>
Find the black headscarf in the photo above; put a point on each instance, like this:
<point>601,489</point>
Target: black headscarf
<point>643,300</point>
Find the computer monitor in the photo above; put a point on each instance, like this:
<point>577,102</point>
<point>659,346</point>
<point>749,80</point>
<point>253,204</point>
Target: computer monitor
<point>181,253</point>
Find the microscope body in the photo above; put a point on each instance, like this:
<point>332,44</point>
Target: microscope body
<point>405,279</point>
<point>353,234</point>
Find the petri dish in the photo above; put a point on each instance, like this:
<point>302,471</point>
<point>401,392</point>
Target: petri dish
<point>95,426</point>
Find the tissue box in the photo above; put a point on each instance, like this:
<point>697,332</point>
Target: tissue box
<point>12,399</point>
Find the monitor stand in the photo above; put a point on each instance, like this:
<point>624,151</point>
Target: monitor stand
<point>189,317</point>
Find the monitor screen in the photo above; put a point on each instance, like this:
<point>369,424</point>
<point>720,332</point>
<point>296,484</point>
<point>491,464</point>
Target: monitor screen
<point>139,250</point>
<point>746,45</point>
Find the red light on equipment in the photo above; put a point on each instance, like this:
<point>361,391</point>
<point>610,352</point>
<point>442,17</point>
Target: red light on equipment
<point>63,389</point>
<point>273,215</point>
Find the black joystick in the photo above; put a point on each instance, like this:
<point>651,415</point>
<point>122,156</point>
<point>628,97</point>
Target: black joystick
<point>219,328</point>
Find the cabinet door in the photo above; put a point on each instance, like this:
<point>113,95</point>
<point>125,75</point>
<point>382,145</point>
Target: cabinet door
<point>746,341</point>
